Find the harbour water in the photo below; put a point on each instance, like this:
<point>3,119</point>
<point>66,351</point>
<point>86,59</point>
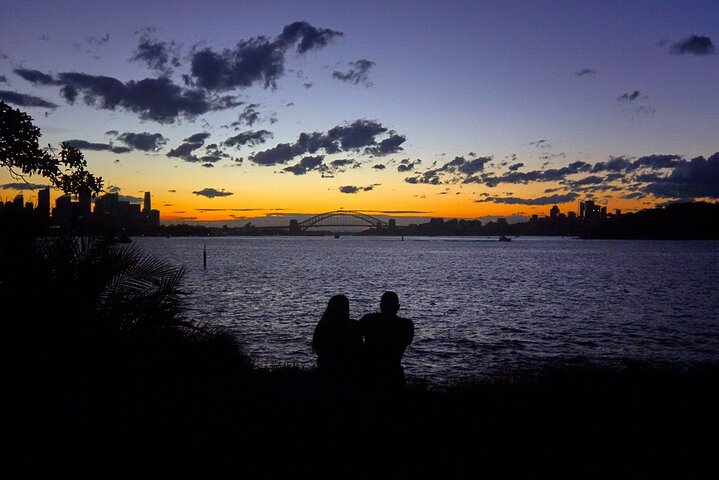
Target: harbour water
<point>480,306</point>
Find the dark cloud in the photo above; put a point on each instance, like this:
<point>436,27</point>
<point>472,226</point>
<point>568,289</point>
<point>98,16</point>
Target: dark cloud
<point>655,162</point>
<point>407,166</point>
<point>549,175</point>
<point>634,195</point>
<point>590,180</point>
<point>338,166</point>
<point>249,115</point>
<point>145,141</point>
<point>85,145</point>
<point>696,178</point>
<point>22,186</point>
<point>309,37</point>
<point>157,55</point>
<point>695,44</point>
<point>354,189</point>
<point>614,164</point>
<point>548,200</point>
<point>35,76</point>
<point>358,73</point>
<point>257,61</point>
<point>585,71</point>
<point>379,166</point>
<point>515,167</point>
<point>459,170</point>
<point>541,144</point>
<point>3,79</point>
<point>249,137</point>
<point>629,97</point>
<point>360,135</point>
<point>192,143</point>
<point>281,153</point>
<point>25,100</point>
<point>388,145</point>
<point>305,165</point>
<point>155,99</point>
<point>212,193</point>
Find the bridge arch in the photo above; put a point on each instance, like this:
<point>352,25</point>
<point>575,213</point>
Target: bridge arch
<point>340,218</point>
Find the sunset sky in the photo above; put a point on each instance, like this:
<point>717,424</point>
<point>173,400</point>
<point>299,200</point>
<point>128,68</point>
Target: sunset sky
<point>233,110</point>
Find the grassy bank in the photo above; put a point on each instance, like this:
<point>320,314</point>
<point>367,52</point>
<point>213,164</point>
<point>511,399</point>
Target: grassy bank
<point>636,422</point>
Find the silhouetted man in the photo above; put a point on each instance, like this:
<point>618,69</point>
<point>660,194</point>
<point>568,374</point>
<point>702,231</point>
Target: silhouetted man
<point>386,336</point>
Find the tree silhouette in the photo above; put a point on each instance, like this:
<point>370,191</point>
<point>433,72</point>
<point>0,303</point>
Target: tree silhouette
<point>21,154</point>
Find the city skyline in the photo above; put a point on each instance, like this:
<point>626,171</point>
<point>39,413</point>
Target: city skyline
<point>237,112</point>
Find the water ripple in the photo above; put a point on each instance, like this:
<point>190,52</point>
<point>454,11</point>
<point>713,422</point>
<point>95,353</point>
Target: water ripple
<point>478,306</point>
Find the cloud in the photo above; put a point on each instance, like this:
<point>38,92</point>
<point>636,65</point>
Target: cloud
<point>145,141</point>
<point>407,166</point>
<point>155,99</point>
<point>515,167</point>
<point>281,153</point>
<point>189,145</point>
<point>157,55</point>
<point>358,136</point>
<point>628,97</point>
<point>694,44</point>
<point>455,171</point>
<point>338,166</point>
<point>305,165</point>
<point>358,73</point>
<point>549,175</point>
<point>249,115</point>
<point>256,61</point>
<point>22,186</point>
<point>379,166</point>
<point>388,145</point>
<point>655,162</point>
<point>3,79</point>
<point>547,200</point>
<point>85,145</point>
<point>212,193</point>
<point>25,100</point>
<point>696,178</point>
<point>614,164</point>
<point>585,71</point>
<point>354,189</point>
<point>249,137</point>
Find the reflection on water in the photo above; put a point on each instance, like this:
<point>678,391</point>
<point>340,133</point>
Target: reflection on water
<point>479,306</point>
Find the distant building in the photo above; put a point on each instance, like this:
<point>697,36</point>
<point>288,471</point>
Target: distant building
<point>148,204</point>
<point>588,210</point>
<point>554,212</point>
<point>43,203</point>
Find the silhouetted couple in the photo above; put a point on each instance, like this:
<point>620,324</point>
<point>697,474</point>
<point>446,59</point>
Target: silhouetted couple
<point>369,350</point>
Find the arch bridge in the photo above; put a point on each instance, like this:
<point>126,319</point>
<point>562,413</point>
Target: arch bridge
<point>338,218</point>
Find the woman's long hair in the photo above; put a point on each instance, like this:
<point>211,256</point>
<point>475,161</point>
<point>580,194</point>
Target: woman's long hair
<point>333,321</point>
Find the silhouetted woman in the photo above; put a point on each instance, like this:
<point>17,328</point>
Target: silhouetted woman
<point>337,342</point>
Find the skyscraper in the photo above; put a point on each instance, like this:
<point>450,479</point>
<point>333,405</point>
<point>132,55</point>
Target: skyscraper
<point>43,203</point>
<point>148,205</point>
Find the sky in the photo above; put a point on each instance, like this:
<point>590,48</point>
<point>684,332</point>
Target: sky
<point>235,111</point>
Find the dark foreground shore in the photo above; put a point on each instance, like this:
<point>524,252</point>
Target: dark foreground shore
<point>582,422</point>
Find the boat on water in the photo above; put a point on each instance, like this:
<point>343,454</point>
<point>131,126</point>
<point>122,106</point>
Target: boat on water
<point>337,235</point>
<point>504,239</point>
